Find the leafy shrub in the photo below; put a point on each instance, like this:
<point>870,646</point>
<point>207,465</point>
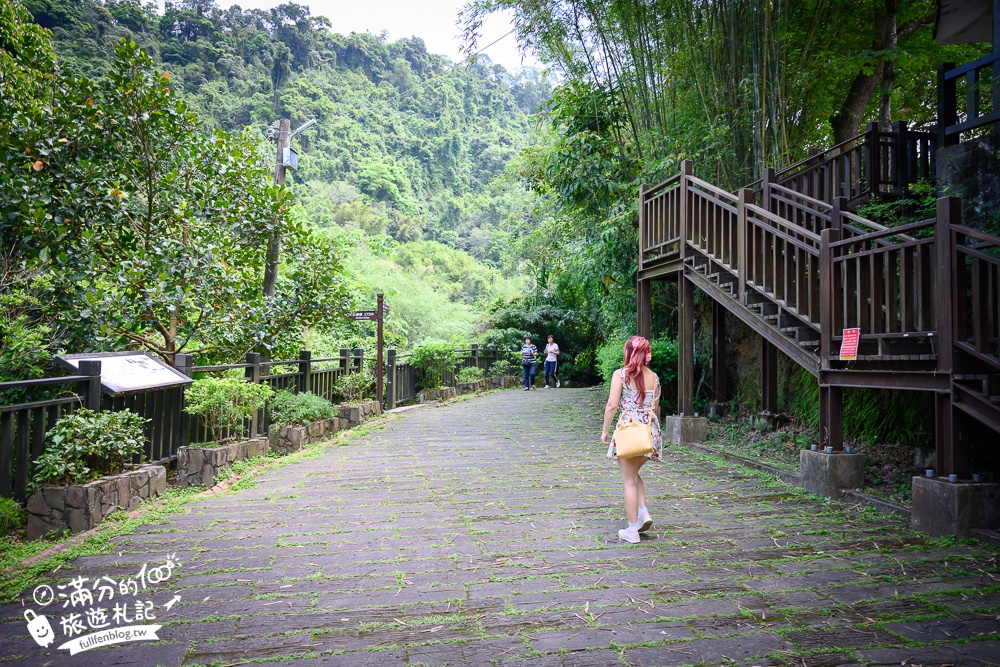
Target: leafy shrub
<point>470,374</point>
<point>86,445</point>
<point>224,403</point>
<point>501,368</point>
<point>430,361</point>
<point>355,388</point>
<point>12,516</point>
<point>300,409</point>
<point>664,362</point>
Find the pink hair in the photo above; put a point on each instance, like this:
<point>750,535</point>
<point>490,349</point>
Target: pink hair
<point>636,355</point>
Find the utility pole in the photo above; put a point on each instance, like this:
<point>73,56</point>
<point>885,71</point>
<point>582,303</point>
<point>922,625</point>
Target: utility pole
<point>273,255</point>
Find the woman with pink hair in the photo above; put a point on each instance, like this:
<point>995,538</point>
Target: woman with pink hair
<point>636,390</point>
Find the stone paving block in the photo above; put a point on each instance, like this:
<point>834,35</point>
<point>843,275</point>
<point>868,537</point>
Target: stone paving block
<point>947,629</point>
<point>972,653</point>
<point>548,567</point>
<point>707,651</point>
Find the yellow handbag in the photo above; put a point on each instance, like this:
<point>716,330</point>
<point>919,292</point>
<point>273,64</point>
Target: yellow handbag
<point>633,439</point>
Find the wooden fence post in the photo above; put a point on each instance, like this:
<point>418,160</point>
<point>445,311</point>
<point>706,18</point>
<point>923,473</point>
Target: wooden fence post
<point>947,106</point>
<point>305,370</point>
<point>770,176</point>
<point>902,156</point>
<point>687,169</point>
<point>873,162</point>
<point>91,388</point>
<point>741,244</point>
<point>826,294</point>
<point>475,354</point>
<point>390,379</point>
<point>253,373</point>
<point>344,357</point>
<point>359,356</point>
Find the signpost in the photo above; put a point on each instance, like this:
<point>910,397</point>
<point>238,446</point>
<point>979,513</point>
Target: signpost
<point>849,345</point>
<point>129,372</point>
<point>377,315</point>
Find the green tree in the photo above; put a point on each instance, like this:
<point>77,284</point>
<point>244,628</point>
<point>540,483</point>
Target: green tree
<point>152,229</point>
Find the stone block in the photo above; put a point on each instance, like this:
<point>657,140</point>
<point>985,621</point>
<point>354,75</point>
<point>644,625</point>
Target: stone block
<point>53,496</point>
<point>160,480</point>
<point>943,508</point>
<point>684,430</point>
<point>829,475</point>
<point>78,496</point>
<point>37,503</point>
<point>78,519</point>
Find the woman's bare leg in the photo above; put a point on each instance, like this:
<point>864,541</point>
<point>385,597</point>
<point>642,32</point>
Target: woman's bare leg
<point>629,469</point>
<point>640,487</point>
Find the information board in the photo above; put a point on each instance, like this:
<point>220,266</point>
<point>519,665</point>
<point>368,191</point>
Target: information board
<point>849,345</point>
<point>129,372</point>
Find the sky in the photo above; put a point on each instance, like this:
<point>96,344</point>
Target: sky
<point>431,20</point>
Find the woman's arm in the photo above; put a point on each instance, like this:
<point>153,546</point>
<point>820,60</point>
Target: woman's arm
<point>614,398</point>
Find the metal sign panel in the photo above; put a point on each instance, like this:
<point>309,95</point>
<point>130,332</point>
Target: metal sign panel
<point>290,158</point>
<point>363,315</point>
<point>129,372</point>
<point>849,346</point>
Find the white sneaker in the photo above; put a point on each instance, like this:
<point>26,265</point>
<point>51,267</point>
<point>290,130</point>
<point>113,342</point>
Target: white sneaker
<point>645,522</point>
<point>630,535</point>
<point>557,384</point>
<point>545,387</point>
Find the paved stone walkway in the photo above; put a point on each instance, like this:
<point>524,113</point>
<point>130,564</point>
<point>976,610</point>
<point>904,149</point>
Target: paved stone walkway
<point>484,531</point>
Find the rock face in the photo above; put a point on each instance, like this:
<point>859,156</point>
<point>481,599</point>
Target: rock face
<point>81,507</point>
<point>199,466</point>
<point>353,415</point>
<point>288,439</point>
<point>442,394</point>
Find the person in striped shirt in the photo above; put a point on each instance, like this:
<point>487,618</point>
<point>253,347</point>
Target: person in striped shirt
<point>529,358</point>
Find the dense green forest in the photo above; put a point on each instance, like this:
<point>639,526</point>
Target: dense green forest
<point>485,203</point>
<point>397,189</point>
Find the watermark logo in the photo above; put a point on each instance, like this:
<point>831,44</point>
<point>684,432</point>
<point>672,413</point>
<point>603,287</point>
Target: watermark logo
<point>101,611</point>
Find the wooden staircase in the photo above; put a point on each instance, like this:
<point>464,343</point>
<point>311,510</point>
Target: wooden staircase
<point>789,258</point>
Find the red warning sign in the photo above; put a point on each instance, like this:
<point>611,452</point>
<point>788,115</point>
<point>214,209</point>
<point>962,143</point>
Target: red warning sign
<point>849,346</point>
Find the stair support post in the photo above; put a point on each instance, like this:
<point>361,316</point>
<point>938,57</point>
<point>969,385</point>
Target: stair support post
<point>902,156</point>
<point>685,346</point>
<point>952,449</point>
<point>769,376</point>
<point>770,176</point>
<point>831,416</point>
<point>745,196</point>
<point>720,389</point>
<point>644,307</point>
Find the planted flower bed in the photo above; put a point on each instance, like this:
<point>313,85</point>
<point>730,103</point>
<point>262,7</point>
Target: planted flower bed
<point>81,477</point>
<point>300,419</point>
<point>223,405</point>
<point>200,465</point>
<point>80,507</point>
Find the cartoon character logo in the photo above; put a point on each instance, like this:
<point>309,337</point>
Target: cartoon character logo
<point>39,628</point>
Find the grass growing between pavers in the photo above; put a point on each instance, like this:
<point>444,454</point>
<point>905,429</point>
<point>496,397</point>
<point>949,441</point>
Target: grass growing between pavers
<point>20,564</point>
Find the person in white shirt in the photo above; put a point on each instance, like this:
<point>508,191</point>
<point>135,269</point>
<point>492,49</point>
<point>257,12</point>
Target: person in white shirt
<point>551,361</point>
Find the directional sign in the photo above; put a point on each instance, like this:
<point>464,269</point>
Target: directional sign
<point>849,346</point>
<point>363,315</point>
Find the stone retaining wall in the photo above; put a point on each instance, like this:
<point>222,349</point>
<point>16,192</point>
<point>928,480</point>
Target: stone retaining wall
<point>353,415</point>
<point>81,507</point>
<point>199,466</point>
<point>472,387</point>
<point>442,394</point>
<point>287,439</point>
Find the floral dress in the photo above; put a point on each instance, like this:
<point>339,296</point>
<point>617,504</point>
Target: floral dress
<point>633,411</point>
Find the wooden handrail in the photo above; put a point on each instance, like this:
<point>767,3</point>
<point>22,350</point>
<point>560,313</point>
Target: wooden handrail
<point>808,200</point>
<point>656,189</point>
<point>790,226</point>
<point>884,232</point>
